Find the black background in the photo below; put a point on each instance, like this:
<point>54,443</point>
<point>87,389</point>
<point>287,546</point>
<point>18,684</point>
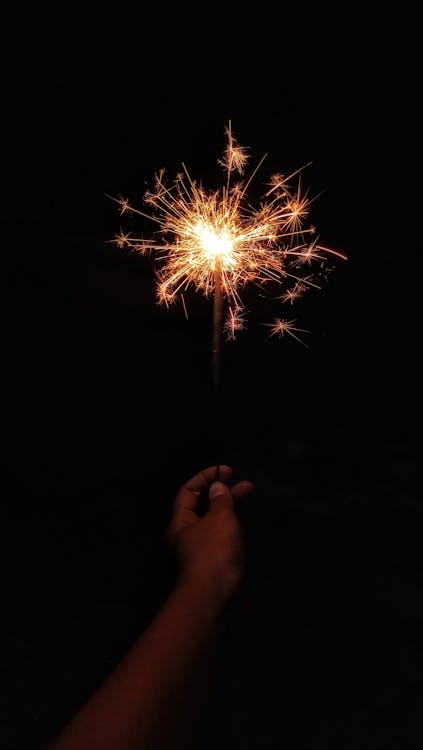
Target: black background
<point>107,397</point>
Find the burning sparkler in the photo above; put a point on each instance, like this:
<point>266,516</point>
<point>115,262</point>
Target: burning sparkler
<point>217,242</point>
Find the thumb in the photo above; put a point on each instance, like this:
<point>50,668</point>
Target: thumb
<point>220,496</point>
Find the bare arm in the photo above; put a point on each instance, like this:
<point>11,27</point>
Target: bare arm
<point>155,698</point>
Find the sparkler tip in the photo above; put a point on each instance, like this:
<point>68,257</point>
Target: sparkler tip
<point>200,231</point>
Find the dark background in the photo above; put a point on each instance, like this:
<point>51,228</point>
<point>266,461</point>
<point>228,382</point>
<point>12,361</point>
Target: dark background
<point>107,398</point>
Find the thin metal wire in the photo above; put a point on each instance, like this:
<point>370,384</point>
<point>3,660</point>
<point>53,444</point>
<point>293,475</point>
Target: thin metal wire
<point>217,360</point>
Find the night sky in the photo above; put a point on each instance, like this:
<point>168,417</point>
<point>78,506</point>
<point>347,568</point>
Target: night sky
<point>107,398</point>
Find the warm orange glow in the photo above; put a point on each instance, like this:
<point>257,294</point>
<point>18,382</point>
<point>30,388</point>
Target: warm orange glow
<point>279,327</point>
<point>267,245</point>
<point>216,243</point>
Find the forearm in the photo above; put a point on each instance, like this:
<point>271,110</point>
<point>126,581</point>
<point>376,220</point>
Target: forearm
<point>147,700</point>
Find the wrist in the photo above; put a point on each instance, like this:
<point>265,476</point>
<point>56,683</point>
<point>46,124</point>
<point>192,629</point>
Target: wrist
<point>214,590</point>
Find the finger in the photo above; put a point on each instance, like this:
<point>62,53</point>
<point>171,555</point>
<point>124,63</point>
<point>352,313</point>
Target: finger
<point>188,495</point>
<point>204,478</point>
<point>242,489</point>
<point>220,496</point>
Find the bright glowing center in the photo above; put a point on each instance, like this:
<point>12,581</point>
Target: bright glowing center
<point>216,244</point>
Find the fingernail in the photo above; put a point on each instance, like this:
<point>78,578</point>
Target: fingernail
<point>216,489</point>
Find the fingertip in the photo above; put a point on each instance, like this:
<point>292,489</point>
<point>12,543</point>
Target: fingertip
<point>202,481</point>
<point>220,496</point>
<point>217,489</point>
<point>242,489</point>
<point>225,467</point>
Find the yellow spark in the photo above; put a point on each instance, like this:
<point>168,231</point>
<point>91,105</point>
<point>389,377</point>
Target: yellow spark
<point>235,156</point>
<point>279,327</point>
<point>123,240</point>
<point>124,205</point>
<point>292,294</point>
<point>234,322</point>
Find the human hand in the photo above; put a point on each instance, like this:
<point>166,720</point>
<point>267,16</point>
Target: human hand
<point>209,550</point>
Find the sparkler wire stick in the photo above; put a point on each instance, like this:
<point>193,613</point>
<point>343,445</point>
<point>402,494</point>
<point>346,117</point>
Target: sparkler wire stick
<point>217,349</point>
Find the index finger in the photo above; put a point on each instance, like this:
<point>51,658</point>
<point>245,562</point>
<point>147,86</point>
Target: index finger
<point>188,495</point>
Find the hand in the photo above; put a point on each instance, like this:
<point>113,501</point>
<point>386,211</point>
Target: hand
<point>209,550</point>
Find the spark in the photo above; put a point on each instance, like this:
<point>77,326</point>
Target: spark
<point>292,294</point>
<point>234,322</point>
<point>279,327</point>
<point>206,237</point>
<point>235,156</point>
<point>123,205</point>
<point>123,240</point>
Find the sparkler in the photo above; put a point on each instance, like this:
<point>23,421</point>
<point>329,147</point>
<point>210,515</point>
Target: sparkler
<point>217,242</point>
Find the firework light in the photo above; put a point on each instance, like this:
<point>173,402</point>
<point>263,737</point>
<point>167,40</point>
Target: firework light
<point>216,242</point>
